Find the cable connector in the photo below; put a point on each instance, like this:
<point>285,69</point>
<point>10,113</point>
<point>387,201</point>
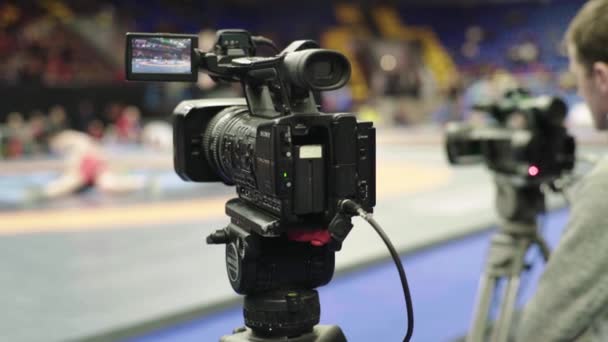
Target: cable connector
<point>349,207</point>
<point>353,208</point>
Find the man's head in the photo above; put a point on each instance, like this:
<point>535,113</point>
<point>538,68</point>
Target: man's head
<point>587,40</point>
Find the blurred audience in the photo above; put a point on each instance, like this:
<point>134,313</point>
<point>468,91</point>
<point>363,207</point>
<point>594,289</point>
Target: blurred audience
<point>21,137</point>
<point>74,44</point>
<point>39,47</point>
<point>128,126</point>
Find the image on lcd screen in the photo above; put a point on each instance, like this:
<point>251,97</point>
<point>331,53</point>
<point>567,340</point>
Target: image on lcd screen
<point>160,55</point>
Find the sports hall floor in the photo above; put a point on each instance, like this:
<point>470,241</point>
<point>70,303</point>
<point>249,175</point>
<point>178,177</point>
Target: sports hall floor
<point>136,267</point>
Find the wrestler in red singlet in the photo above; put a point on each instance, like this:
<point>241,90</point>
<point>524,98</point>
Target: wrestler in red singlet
<point>91,166</point>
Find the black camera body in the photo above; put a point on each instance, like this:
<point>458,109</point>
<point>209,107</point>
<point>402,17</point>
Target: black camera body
<point>283,155</point>
<point>296,167</point>
<point>537,149</point>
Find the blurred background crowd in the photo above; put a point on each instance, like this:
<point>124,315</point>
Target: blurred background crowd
<point>415,63</point>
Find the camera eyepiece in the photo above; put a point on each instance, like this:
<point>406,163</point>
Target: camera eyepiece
<point>317,69</point>
<point>551,110</point>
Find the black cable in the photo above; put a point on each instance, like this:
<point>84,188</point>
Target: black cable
<point>354,208</point>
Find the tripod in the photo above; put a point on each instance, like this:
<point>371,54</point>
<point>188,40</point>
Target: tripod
<point>518,203</point>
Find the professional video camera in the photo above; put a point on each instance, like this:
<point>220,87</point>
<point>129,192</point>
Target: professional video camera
<point>527,147</point>
<point>284,157</point>
<point>527,138</point>
<point>300,174</point>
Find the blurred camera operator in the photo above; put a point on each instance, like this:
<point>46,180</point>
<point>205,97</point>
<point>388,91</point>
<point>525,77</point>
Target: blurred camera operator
<point>571,301</point>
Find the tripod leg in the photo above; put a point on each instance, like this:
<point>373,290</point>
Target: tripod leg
<point>503,324</point>
<point>487,285</point>
<point>544,247</point>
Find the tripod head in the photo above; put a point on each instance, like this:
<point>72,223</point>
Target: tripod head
<point>518,200</point>
<point>277,272</point>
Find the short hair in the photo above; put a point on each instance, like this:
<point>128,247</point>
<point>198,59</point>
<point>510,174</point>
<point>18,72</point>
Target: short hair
<point>588,33</point>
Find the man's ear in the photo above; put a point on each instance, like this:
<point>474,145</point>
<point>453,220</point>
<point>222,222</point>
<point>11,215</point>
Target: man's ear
<point>600,76</point>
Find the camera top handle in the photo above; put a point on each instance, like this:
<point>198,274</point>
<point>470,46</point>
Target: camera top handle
<point>275,86</point>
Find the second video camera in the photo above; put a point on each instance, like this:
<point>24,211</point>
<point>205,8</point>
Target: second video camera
<point>526,138</point>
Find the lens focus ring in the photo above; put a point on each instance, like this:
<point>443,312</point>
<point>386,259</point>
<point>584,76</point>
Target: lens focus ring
<point>213,139</point>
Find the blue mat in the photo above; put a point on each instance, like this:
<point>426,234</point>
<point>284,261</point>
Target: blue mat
<point>368,304</point>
